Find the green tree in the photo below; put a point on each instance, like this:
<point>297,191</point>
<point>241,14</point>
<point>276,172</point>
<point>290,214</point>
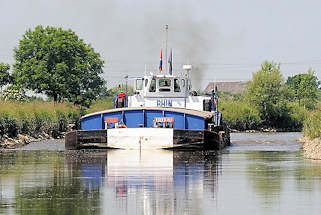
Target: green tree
<point>5,77</point>
<point>266,93</point>
<point>304,88</point>
<point>58,63</point>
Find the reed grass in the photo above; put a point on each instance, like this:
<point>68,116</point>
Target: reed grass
<point>100,105</point>
<point>34,118</point>
<point>312,124</point>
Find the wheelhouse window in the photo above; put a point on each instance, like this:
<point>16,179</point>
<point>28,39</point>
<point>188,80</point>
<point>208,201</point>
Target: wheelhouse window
<point>164,85</point>
<point>146,82</point>
<point>152,87</point>
<point>177,88</point>
<point>183,82</point>
<point>139,84</point>
<point>189,85</point>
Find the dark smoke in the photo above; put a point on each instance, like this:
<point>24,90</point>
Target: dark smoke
<point>128,34</point>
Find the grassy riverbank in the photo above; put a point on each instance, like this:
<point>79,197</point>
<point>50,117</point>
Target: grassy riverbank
<point>41,119</point>
<point>36,118</point>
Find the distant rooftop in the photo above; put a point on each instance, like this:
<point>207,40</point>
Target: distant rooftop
<point>227,86</point>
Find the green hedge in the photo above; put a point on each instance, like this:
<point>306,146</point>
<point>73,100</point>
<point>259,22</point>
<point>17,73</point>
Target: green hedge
<point>34,118</point>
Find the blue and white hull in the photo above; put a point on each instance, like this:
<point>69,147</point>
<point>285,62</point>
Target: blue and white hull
<point>189,128</point>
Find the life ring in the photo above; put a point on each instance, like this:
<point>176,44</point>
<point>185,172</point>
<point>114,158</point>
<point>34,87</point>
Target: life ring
<point>122,126</point>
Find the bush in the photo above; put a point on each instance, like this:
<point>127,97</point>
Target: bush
<point>8,124</point>
<point>240,116</point>
<point>297,115</point>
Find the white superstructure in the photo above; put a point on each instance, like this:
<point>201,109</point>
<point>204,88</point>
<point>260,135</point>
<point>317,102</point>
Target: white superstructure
<point>166,91</point>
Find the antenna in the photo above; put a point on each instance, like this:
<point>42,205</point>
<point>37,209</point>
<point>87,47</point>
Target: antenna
<point>166,38</point>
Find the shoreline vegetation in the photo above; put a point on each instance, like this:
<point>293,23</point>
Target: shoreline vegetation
<point>312,136</point>
<point>25,122</point>
<point>241,116</point>
<point>31,121</point>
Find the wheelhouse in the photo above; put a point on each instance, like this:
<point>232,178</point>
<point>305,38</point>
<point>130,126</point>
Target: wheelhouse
<point>162,86</point>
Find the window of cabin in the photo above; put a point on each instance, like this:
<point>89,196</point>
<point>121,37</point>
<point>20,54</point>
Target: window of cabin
<point>146,82</point>
<point>139,84</point>
<point>183,82</point>
<point>189,85</point>
<point>152,87</point>
<point>165,85</point>
<point>177,88</point>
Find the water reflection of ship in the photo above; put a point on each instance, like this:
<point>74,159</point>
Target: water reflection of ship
<point>89,166</point>
<point>162,179</point>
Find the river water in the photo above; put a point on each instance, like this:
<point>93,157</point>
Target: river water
<point>258,174</point>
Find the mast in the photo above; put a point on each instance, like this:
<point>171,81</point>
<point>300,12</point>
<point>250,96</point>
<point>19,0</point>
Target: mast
<point>166,38</point>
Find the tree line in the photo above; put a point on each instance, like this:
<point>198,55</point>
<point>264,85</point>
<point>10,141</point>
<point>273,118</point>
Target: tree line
<point>270,101</point>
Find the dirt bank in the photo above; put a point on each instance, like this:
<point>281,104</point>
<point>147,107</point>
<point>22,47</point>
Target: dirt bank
<point>311,148</point>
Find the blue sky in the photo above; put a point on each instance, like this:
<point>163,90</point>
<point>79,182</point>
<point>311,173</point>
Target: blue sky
<point>223,40</point>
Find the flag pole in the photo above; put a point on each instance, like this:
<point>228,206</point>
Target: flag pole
<point>166,38</point>
<point>170,61</point>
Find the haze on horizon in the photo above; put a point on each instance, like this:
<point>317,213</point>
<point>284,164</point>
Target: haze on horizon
<point>223,40</point>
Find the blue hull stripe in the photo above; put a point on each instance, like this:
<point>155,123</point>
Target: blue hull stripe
<point>142,117</point>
